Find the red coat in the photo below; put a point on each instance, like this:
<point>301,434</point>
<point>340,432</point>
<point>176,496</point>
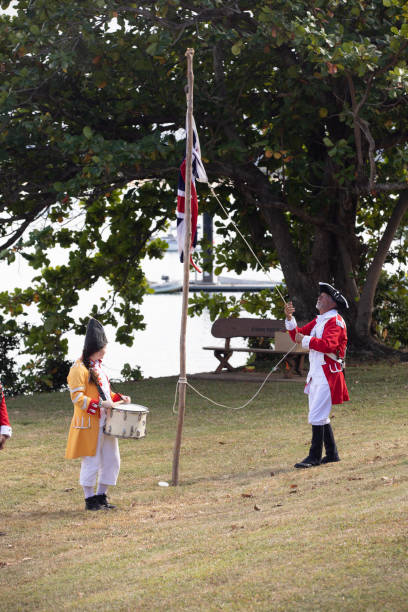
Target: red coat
<point>4,420</point>
<point>333,341</point>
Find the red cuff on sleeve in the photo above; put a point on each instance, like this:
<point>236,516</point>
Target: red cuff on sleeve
<point>93,407</point>
<point>116,397</point>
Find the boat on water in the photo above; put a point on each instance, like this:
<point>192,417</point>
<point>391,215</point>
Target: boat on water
<point>166,285</point>
<point>171,239</point>
<point>222,284</point>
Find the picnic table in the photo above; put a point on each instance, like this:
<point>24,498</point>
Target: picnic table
<point>233,327</point>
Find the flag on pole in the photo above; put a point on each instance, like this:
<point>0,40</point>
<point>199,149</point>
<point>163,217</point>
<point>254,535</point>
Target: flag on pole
<point>199,174</point>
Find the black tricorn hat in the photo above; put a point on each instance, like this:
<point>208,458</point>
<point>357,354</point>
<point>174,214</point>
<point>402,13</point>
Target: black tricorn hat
<point>95,338</point>
<point>334,293</point>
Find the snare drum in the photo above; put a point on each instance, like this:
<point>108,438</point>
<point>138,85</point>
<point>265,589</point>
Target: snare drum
<point>126,421</point>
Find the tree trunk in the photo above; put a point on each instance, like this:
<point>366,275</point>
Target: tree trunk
<point>365,308</point>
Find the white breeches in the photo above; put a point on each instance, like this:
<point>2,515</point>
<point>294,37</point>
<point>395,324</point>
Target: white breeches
<point>105,463</point>
<point>320,403</point>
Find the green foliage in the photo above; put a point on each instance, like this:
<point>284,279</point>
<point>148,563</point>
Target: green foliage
<point>45,374</point>
<point>130,374</point>
<point>294,101</point>
<point>264,304</point>
<point>390,317</point>
<point>216,304</point>
<point>9,343</point>
<point>264,343</point>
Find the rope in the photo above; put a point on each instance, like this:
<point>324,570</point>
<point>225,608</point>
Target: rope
<point>246,242</point>
<point>185,381</point>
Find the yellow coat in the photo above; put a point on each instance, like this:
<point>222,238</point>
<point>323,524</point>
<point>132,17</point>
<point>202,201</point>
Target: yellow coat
<point>84,429</point>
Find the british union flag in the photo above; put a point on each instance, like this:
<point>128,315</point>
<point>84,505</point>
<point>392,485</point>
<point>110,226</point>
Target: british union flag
<point>199,174</point>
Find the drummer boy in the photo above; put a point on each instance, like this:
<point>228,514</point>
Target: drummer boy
<point>91,395</point>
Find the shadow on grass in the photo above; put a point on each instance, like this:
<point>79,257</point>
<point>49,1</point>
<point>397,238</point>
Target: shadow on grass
<point>74,513</point>
<point>244,476</point>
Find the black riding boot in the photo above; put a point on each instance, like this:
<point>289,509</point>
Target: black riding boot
<point>329,445</point>
<point>103,501</point>
<point>92,503</point>
<point>315,453</point>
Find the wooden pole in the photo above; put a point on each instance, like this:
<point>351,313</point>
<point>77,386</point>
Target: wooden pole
<point>186,270</point>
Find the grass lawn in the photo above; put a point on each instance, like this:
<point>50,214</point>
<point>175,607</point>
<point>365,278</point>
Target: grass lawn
<point>243,531</point>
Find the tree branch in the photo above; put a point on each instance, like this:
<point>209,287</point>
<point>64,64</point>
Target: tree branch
<point>365,127</point>
<point>366,302</point>
<point>18,233</point>
<point>381,188</point>
<point>199,14</point>
<point>357,134</point>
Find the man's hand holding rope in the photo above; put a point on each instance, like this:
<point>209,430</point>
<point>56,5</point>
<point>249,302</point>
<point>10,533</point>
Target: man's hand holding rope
<point>289,310</point>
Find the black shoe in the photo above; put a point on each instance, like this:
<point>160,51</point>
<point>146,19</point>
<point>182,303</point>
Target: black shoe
<point>103,501</point>
<point>307,463</point>
<point>332,459</point>
<point>93,503</point>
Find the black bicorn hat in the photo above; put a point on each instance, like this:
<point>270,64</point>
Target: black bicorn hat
<point>95,337</point>
<point>334,293</point>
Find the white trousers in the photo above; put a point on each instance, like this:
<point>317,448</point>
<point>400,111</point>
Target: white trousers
<point>320,403</point>
<point>105,463</point>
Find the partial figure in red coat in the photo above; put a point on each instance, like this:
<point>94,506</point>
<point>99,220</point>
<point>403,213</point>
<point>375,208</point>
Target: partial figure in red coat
<point>5,429</point>
<point>326,339</point>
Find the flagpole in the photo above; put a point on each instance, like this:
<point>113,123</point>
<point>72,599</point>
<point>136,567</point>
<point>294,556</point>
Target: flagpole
<point>182,383</point>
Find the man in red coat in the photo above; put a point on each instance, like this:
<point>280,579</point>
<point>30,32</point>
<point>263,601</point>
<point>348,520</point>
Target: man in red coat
<point>5,429</point>
<point>326,339</point>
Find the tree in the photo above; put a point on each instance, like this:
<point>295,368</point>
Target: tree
<point>302,111</point>
<point>8,366</point>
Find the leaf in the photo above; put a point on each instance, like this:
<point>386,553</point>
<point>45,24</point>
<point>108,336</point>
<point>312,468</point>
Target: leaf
<point>87,132</point>
<point>58,187</point>
<point>236,49</point>
<point>152,48</point>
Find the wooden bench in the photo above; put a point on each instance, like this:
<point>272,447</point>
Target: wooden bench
<point>255,328</point>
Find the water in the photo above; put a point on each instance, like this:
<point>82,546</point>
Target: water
<point>156,350</point>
